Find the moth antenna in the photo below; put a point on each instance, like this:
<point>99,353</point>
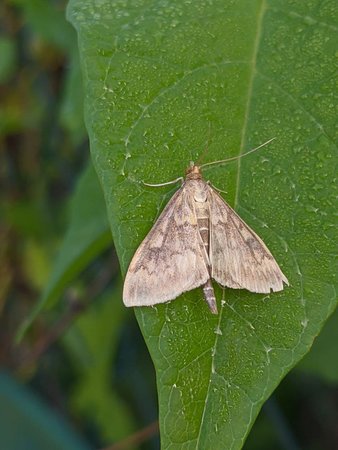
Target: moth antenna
<point>164,184</point>
<point>239,156</point>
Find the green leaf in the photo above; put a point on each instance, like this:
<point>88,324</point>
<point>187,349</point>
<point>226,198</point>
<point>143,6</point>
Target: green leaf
<point>48,21</point>
<point>156,76</point>
<point>92,343</point>
<point>87,236</point>
<point>27,423</point>
<point>8,60</point>
<point>71,109</point>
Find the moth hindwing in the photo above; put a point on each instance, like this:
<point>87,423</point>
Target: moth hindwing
<point>198,237</point>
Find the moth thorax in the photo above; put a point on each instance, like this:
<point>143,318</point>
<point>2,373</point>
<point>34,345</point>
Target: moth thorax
<point>193,172</point>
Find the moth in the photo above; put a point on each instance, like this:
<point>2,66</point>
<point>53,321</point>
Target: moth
<point>199,237</point>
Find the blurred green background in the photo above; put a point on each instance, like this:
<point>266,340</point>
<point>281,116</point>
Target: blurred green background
<point>82,377</point>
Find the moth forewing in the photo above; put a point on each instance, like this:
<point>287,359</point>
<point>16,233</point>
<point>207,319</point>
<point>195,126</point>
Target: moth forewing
<point>170,260</point>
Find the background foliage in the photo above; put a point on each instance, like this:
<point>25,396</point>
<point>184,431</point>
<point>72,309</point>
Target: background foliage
<point>84,356</point>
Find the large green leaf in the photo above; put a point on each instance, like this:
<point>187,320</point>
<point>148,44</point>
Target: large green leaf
<point>157,76</point>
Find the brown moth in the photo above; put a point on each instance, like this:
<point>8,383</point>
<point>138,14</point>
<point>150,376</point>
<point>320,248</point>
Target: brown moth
<point>198,237</point>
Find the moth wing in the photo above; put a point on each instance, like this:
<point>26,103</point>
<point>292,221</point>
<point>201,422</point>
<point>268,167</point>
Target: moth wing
<point>239,258</point>
<point>170,260</point>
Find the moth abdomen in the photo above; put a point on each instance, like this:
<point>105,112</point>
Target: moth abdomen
<point>203,223</point>
<point>209,296</point>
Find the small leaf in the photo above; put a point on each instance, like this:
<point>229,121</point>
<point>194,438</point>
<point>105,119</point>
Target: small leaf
<point>92,343</point>
<point>87,236</point>
<point>8,59</point>
<point>47,20</point>
<point>157,76</point>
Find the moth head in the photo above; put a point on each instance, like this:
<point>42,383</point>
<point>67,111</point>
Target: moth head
<point>193,172</point>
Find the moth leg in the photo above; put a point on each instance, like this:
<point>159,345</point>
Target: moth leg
<point>181,179</point>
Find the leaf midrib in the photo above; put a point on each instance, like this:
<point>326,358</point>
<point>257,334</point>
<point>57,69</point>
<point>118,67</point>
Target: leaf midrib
<point>244,130</point>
